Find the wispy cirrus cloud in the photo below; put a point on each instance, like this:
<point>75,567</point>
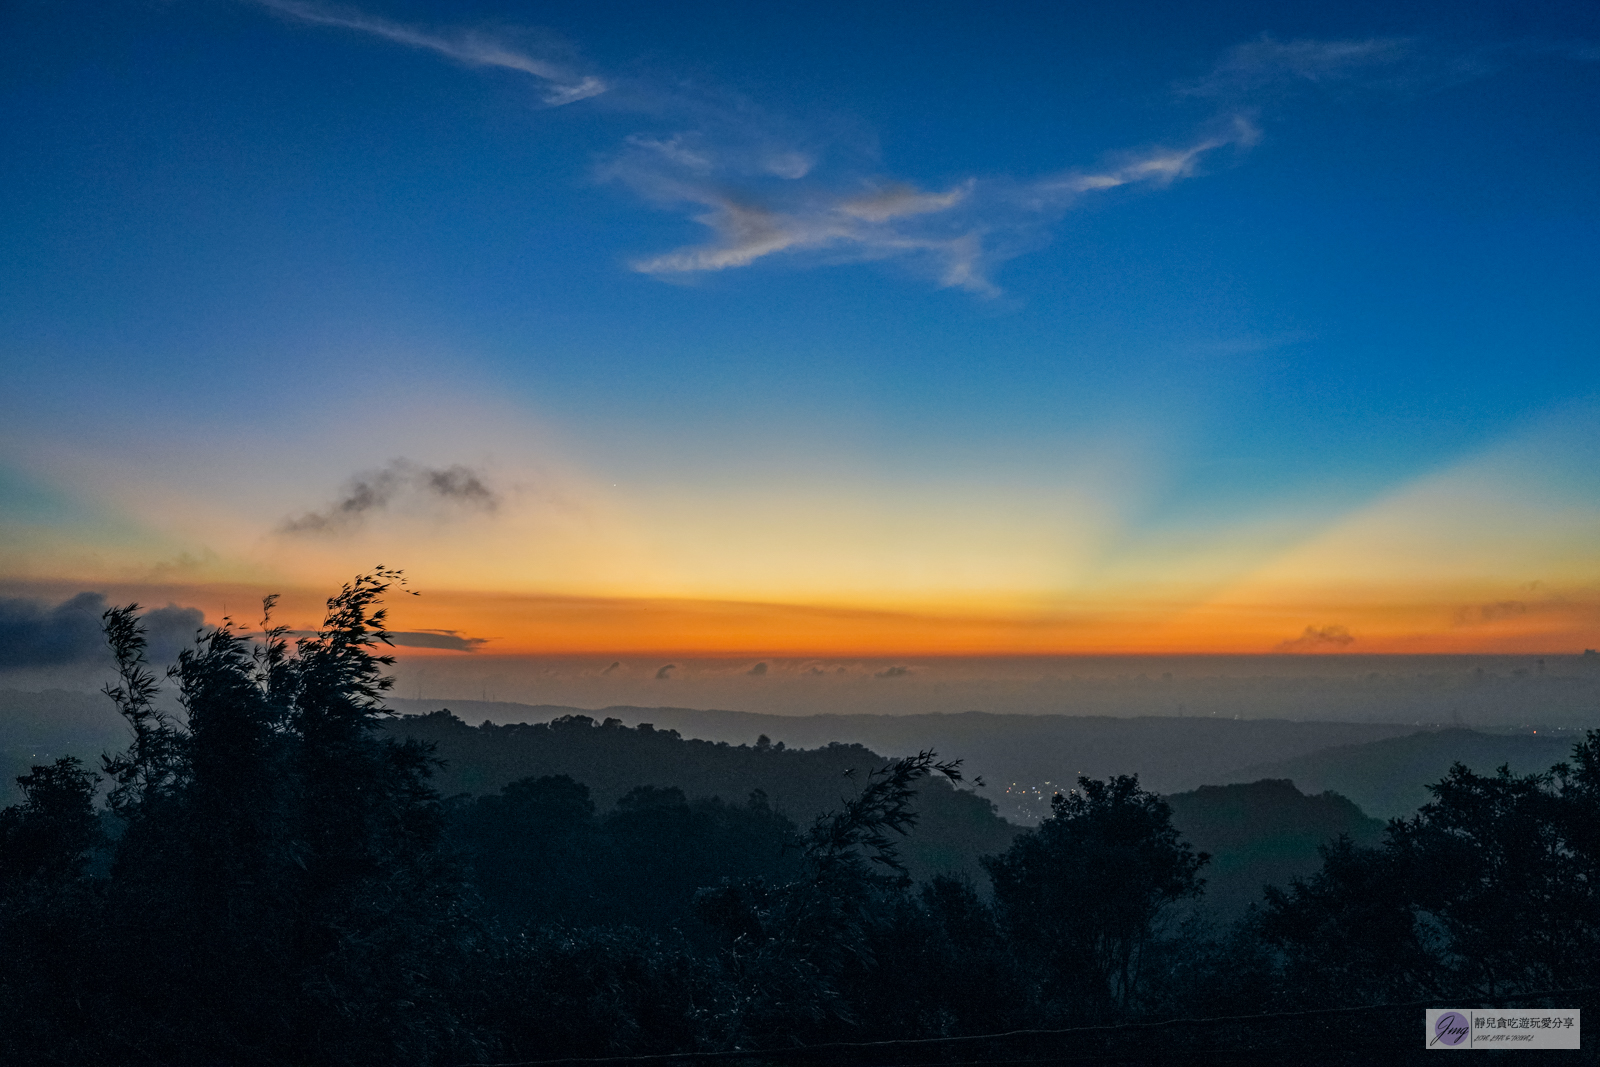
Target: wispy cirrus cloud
<point>767,187</point>
<point>474,48</point>
<point>1155,167</point>
<point>1267,63</point>
<point>748,227</point>
<point>1262,69</point>
<point>956,234</point>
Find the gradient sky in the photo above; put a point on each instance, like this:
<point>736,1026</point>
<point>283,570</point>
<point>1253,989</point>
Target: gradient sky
<point>792,329</point>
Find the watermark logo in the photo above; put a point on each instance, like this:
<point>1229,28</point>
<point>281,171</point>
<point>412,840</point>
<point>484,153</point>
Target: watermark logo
<point>1502,1028</point>
<point>1450,1028</point>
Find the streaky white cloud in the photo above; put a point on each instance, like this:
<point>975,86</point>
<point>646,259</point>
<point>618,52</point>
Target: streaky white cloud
<point>469,47</point>
<point>1267,63</point>
<point>748,233</point>
<point>1156,167</point>
<point>759,184</point>
<point>900,200</point>
<point>789,164</point>
<point>763,186</point>
<point>955,235</point>
<point>674,150</point>
<point>1259,69</point>
<point>851,227</point>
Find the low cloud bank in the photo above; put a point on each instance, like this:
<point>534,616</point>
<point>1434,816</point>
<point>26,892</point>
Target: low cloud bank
<point>448,639</point>
<point>35,633</point>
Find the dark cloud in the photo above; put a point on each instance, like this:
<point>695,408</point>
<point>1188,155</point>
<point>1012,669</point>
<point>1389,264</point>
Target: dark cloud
<point>758,670</point>
<point>1318,637</point>
<point>34,633</point>
<point>893,672</point>
<point>457,486</point>
<point>463,484</point>
<point>1500,609</point>
<point>450,639</point>
<point>665,672</point>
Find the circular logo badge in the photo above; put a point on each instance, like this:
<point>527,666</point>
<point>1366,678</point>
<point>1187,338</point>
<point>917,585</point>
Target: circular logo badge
<point>1451,1028</point>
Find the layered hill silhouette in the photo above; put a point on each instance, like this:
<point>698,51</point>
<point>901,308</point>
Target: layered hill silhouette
<point>1261,819</point>
<point>955,826</point>
<point>1257,833</point>
<point>1261,833</point>
<point>1389,778</point>
<point>1170,754</point>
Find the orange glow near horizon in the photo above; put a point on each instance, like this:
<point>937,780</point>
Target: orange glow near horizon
<point>1493,554</point>
<point>1304,621</point>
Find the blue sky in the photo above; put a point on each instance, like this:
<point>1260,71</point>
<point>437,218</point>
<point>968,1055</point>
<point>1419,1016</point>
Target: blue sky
<point>1179,289</point>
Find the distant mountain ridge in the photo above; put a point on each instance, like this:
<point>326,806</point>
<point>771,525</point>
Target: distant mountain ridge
<point>1256,820</point>
<point>1263,832</point>
<point>1170,754</point>
<point>954,826</point>
<point>1257,833</point>
<point>1389,778</point>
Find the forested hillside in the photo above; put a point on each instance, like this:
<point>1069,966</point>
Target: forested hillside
<point>1263,833</point>
<point>955,826</point>
<point>1018,752</point>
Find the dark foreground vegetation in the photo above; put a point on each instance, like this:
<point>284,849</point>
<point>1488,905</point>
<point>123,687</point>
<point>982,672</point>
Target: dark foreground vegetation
<point>277,881</point>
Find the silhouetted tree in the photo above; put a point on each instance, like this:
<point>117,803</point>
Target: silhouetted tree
<point>1085,894</point>
<point>1491,888</point>
<point>793,951</point>
<point>942,966</point>
<point>49,917</point>
<point>283,891</point>
<point>288,888</point>
<point>1352,932</point>
<point>1490,861</point>
<point>48,837</point>
<point>597,991</point>
<point>534,849</point>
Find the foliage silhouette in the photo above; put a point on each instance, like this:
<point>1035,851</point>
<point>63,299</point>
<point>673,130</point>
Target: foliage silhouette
<point>955,827</point>
<point>282,891</point>
<point>49,836</point>
<point>1489,890</point>
<point>49,911</point>
<point>793,952</point>
<point>1085,894</point>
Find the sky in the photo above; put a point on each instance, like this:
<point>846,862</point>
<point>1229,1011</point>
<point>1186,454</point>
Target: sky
<point>806,330</point>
